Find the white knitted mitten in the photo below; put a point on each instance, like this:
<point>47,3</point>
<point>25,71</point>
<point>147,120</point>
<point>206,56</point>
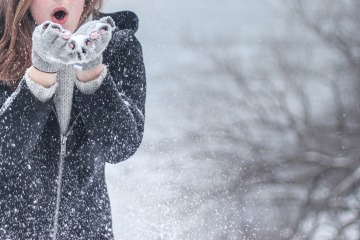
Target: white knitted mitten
<point>91,39</point>
<point>51,48</point>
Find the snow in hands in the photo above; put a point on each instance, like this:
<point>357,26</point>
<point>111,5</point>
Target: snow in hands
<point>83,47</point>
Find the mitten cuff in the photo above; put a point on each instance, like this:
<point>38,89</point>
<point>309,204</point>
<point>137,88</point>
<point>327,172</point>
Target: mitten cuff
<point>91,86</point>
<point>40,92</point>
<point>44,66</point>
<point>92,64</point>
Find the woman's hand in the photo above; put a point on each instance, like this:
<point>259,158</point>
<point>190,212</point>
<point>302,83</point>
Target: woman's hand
<point>90,40</point>
<point>91,74</point>
<point>54,47</point>
<point>51,47</point>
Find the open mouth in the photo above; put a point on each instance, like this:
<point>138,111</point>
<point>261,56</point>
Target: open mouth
<point>59,15</point>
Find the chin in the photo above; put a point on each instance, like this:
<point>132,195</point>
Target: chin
<point>70,28</point>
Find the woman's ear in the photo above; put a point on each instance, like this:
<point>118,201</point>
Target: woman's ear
<point>109,21</point>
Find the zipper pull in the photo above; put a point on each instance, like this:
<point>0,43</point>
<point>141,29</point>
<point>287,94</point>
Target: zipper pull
<point>63,145</point>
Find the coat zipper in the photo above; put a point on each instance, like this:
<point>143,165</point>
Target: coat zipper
<point>63,139</point>
<point>59,181</point>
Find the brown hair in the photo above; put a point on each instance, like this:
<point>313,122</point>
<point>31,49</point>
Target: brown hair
<point>16,27</point>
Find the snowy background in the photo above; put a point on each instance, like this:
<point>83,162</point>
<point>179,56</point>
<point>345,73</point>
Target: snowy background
<point>152,194</point>
<point>203,169</point>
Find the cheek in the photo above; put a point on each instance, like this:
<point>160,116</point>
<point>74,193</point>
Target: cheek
<point>38,12</point>
<point>77,7</point>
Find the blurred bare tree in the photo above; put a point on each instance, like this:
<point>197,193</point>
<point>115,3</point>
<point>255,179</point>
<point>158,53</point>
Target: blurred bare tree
<point>295,133</point>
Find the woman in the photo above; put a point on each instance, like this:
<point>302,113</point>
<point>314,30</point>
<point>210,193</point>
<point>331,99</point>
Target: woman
<point>72,97</point>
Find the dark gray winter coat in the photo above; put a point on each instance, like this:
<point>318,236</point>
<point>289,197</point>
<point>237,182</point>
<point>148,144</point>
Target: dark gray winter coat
<point>106,126</point>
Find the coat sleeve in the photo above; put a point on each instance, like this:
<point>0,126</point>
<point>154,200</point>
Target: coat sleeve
<point>22,119</point>
<point>114,114</point>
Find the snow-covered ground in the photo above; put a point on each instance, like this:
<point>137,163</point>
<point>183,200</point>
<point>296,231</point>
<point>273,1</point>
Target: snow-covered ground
<point>162,192</point>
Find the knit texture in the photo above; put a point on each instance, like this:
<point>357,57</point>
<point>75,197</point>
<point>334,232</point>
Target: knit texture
<point>63,96</point>
<point>63,90</point>
<point>91,86</point>
<point>42,93</point>
<point>92,52</point>
<point>50,50</point>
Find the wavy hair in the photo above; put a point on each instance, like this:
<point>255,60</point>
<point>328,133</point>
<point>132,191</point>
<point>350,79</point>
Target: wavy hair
<point>16,28</point>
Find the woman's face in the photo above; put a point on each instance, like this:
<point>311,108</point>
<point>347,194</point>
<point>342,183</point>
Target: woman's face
<point>67,13</point>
